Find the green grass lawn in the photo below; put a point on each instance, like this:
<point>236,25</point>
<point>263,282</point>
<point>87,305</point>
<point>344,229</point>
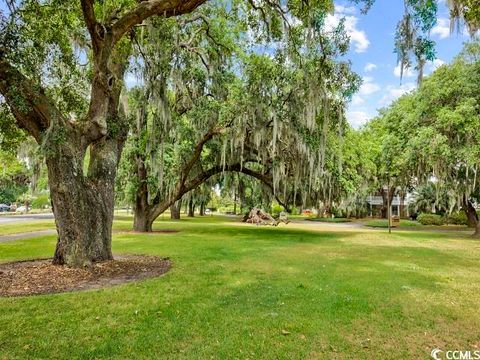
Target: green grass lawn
<point>240,291</point>
<point>383,223</point>
<point>329,220</point>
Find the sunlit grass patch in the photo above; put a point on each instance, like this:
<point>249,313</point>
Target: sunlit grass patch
<point>244,291</point>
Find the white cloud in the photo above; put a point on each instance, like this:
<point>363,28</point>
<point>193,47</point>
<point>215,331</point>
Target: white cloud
<point>341,9</point>
<point>357,37</point>
<point>442,29</point>
<point>368,86</point>
<point>407,72</point>
<point>394,92</point>
<point>357,100</point>
<point>369,67</point>
<point>357,118</point>
<point>431,66</point>
<point>435,64</point>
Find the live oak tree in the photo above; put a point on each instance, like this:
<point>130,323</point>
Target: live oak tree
<point>62,65</point>
<point>43,78</point>
<point>413,44</point>
<point>198,115</point>
<point>434,132</point>
<point>389,172</point>
<point>83,202</point>
<point>176,113</point>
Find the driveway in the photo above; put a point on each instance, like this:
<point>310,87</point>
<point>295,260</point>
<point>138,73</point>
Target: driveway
<point>24,217</point>
<point>27,235</point>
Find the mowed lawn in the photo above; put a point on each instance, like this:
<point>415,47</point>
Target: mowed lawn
<point>239,291</point>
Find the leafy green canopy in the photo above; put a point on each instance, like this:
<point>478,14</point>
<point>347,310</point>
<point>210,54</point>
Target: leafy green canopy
<point>412,39</point>
<point>267,106</point>
<point>14,177</point>
<point>432,133</point>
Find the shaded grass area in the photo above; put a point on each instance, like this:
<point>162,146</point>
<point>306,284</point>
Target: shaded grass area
<point>238,291</point>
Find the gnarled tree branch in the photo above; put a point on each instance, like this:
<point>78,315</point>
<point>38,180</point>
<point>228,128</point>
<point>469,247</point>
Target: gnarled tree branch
<point>146,9</point>
<point>32,109</point>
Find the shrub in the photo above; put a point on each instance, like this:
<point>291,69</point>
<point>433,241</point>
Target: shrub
<point>457,218</point>
<point>295,211</point>
<point>276,210</point>
<point>430,219</point>
<point>41,201</point>
<point>338,213</point>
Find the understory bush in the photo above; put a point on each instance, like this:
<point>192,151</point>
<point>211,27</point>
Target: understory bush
<point>276,210</point>
<point>457,218</point>
<point>41,201</point>
<point>430,219</point>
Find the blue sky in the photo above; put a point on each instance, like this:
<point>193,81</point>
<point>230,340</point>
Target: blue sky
<point>372,56</point>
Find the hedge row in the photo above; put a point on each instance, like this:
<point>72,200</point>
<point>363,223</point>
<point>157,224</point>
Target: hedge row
<point>455,218</point>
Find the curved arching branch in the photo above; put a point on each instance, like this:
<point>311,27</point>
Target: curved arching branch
<point>146,9</point>
<point>160,207</point>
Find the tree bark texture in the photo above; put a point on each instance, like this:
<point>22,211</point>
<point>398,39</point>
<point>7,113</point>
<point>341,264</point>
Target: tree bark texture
<point>175,210</point>
<point>472,216</point>
<point>83,205</point>
<point>191,207</point>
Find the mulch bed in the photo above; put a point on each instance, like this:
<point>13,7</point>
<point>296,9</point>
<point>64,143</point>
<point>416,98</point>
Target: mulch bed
<point>42,277</point>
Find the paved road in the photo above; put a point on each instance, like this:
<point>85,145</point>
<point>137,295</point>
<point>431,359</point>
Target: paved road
<point>25,217</point>
<point>4,219</point>
<point>28,235</point>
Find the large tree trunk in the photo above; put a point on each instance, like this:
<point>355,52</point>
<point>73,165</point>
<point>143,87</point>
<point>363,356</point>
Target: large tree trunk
<point>83,205</point>
<point>191,207</point>
<point>142,222</point>
<point>175,210</point>
<point>472,216</point>
<point>202,208</point>
<point>142,218</point>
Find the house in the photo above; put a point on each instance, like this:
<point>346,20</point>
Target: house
<point>377,204</point>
